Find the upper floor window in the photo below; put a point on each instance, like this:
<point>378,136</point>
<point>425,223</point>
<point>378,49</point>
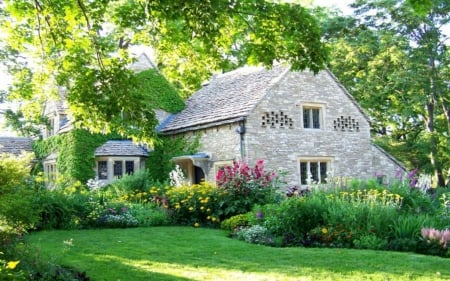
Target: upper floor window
<point>312,117</point>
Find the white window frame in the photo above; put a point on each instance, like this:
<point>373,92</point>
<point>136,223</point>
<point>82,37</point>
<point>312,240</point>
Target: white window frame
<point>329,172</point>
<point>308,106</point>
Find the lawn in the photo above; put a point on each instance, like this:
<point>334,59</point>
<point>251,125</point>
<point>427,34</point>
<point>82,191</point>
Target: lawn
<point>186,253</point>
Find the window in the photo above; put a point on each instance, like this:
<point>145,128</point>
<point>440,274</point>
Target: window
<point>312,117</point>
<point>102,172</point>
<point>129,167</point>
<point>314,171</point>
<point>51,171</point>
<point>118,172</point>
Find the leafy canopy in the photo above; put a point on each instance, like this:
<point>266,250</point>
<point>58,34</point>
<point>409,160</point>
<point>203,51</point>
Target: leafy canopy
<point>84,47</point>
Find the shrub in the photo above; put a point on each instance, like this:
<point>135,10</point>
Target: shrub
<point>139,181</point>
<point>245,187</point>
<point>150,214</point>
<point>255,234</point>
<point>111,216</point>
<point>18,209</point>
<point>235,222</point>
<point>434,242</point>
<point>8,271</point>
<point>196,204</point>
<point>370,241</point>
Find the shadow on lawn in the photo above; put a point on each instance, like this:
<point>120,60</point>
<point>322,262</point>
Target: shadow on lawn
<point>182,253</point>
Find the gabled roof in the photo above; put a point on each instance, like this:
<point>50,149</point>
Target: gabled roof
<point>230,97</point>
<point>227,98</point>
<point>15,145</point>
<point>121,148</point>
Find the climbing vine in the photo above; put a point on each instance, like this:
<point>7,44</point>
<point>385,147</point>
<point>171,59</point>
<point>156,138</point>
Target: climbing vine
<point>159,91</point>
<point>159,161</point>
<point>75,152</point>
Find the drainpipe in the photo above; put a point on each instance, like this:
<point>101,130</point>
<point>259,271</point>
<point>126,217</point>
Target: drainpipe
<point>241,131</point>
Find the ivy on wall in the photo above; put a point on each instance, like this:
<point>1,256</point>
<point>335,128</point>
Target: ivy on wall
<point>159,161</point>
<point>160,92</point>
<point>75,152</point>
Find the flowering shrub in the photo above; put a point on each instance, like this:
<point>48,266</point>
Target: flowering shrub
<point>331,236</point>
<point>112,217</point>
<point>8,271</point>
<point>193,204</point>
<point>435,242</point>
<point>255,234</point>
<point>245,186</point>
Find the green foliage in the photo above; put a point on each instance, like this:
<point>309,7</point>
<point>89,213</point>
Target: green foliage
<point>396,70</point>
<point>370,241</point>
<point>18,208</point>
<point>235,222</point>
<point>138,182</point>
<point>75,152</point>
<point>111,215</point>
<point>159,161</point>
<point>92,60</point>
<point>59,210</point>
<point>198,204</point>
<point>244,186</point>
<point>150,215</point>
<point>8,271</point>
<point>255,234</point>
<point>161,94</point>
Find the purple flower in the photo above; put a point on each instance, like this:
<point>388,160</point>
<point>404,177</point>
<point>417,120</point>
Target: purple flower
<point>259,215</point>
<point>413,183</point>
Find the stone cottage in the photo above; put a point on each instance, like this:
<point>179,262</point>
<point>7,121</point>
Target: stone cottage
<point>306,125</point>
<point>111,159</point>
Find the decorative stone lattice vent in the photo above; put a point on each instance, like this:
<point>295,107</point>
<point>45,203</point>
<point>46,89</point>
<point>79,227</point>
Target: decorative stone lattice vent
<point>346,124</point>
<point>276,120</point>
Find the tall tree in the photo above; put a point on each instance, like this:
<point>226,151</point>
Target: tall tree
<point>393,58</point>
<point>83,46</point>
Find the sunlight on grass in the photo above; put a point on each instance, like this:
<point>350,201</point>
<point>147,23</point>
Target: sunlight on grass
<point>184,271</point>
<point>182,253</point>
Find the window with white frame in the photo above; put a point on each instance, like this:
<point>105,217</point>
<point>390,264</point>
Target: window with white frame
<point>314,170</point>
<point>312,116</point>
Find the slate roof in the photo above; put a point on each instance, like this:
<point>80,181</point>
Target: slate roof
<point>15,145</point>
<point>121,148</point>
<point>228,97</point>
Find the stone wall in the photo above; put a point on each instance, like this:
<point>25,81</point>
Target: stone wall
<point>343,139</point>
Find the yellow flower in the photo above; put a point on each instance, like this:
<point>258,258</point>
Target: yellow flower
<point>196,224</point>
<point>324,230</point>
<point>12,264</point>
<point>191,208</point>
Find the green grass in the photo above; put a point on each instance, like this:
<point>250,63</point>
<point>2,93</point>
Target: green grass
<point>185,253</point>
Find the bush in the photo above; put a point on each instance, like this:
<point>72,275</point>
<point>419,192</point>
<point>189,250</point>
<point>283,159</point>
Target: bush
<point>434,242</point>
<point>244,186</point>
<point>370,241</point>
<point>150,214</point>
<point>196,204</point>
<point>111,215</point>
<point>255,234</point>
<point>139,181</point>
<point>63,211</point>
<point>235,222</point>
<point>18,209</point>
